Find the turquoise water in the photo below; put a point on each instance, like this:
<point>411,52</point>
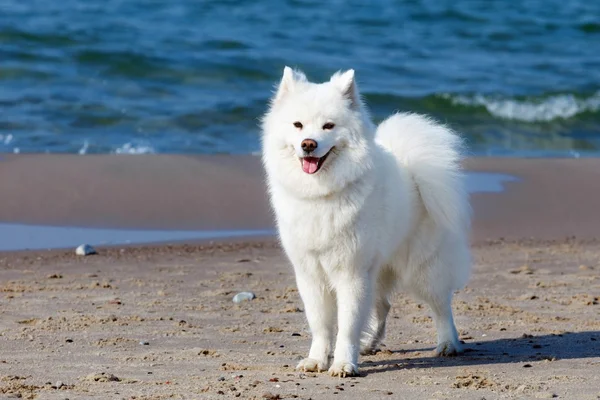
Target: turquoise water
<point>183,76</point>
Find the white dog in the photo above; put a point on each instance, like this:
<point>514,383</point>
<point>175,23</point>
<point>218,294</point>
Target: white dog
<point>362,211</point>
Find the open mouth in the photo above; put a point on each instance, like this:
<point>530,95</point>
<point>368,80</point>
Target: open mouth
<point>311,165</point>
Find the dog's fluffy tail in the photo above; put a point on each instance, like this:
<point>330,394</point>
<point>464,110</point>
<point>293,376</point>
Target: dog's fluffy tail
<point>432,154</point>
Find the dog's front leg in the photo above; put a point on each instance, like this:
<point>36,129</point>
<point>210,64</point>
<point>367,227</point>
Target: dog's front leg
<point>319,306</point>
<point>354,297</point>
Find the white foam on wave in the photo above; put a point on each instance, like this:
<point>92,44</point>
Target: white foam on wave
<point>84,149</point>
<point>562,106</point>
<point>129,148</point>
<point>6,139</point>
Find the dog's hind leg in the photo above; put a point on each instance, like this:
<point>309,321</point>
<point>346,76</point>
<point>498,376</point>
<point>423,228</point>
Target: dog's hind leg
<point>429,286</point>
<point>375,329</point>
<point>448,343</point>
<point>319,306</point>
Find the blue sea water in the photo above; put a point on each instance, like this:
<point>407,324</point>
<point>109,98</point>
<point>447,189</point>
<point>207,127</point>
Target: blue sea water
<point>181,76</point>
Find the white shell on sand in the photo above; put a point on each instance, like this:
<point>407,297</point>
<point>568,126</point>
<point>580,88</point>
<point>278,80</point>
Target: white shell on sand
<point>85,250</point>
<point>243,296</point>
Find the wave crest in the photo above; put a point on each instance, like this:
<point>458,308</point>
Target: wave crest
<point>562,106</point>
<point>129,148</point>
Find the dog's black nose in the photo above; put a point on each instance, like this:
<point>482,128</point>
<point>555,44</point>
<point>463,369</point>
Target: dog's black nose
<point>309,145</point>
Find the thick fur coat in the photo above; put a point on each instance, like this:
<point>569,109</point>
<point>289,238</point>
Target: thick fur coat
<point>362,211</point>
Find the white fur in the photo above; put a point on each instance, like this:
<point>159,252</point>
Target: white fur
<point>387,210</point>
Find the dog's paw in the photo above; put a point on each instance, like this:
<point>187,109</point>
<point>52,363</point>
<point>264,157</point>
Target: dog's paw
<point>311,365</point>
<point>448,349</point>
<point>343,369</point>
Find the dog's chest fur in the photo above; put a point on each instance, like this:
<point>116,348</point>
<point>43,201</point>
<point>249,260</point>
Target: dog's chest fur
<point>318,224</point>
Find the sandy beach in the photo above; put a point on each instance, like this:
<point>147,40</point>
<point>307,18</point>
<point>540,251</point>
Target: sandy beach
<point>158,322</point>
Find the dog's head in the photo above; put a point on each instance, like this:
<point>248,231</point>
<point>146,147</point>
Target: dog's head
<point>316,137</point>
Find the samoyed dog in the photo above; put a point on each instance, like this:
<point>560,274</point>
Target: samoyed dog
<point>362,211</point>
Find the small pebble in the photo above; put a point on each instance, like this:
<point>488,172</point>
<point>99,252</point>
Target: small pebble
<point>85,250</point>
<point>144,343</point>
<point>69,340</point>
<point>243,296</point>
<point>59,384</point>
<point>221,379</point>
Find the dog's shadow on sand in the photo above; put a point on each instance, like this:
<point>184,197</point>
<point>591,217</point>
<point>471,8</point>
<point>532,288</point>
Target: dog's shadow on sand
<point>524,349</point>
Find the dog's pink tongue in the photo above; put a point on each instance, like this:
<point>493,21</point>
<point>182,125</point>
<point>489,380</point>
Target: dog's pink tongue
<point>310,164</point>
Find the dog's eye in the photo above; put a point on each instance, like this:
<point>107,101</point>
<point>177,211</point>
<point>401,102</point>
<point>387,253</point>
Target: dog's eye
<point>298,125</point>
<point>328,126</point>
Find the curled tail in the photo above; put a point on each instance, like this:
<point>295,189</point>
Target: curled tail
<point>432,154</point>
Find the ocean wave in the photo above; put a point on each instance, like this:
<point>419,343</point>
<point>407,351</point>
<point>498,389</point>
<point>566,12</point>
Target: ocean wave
<point>130,148</point>
<point>127,148</point>
<point>84,149</point>
<point>6,139</point>
<point>531,109</point>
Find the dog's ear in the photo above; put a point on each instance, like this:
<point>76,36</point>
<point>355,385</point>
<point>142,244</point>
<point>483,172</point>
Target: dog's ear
<point>288,82</point>
<point>346,83</point>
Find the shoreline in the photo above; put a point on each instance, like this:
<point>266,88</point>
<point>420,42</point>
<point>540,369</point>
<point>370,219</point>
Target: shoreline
<point>520,198</point>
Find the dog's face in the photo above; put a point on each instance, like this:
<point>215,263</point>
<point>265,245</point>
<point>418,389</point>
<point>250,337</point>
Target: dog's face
<point>316,136</point>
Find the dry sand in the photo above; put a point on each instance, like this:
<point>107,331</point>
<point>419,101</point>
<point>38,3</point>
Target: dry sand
<point>529,319</point>
<point>157,322</point>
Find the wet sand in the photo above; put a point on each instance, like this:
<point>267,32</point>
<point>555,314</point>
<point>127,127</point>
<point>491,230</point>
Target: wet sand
<point>553,198</point>
<point>157,322</point>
